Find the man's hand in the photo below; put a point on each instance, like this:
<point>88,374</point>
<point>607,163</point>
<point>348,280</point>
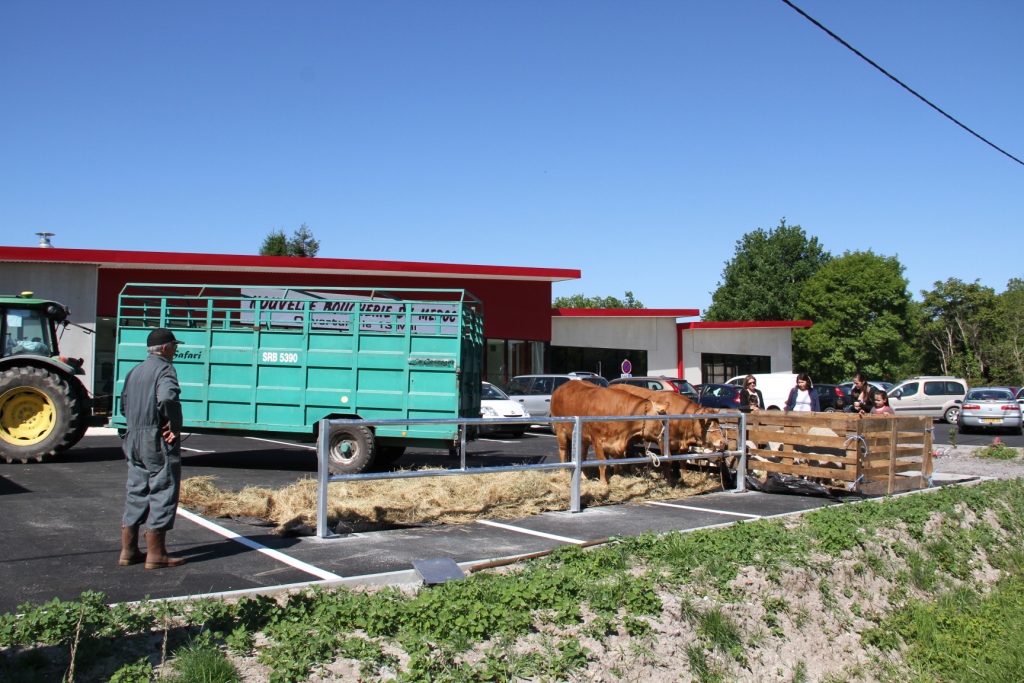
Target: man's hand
<point>169,436</point>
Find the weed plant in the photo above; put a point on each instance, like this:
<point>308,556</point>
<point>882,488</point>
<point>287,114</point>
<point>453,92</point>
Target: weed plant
<point>997,451</point>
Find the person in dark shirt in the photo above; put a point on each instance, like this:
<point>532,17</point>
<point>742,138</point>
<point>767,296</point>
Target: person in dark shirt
<point>152,446</point>
<point>750,396</point>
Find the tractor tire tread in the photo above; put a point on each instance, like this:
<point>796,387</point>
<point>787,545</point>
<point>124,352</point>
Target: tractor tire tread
<point>67,403</point>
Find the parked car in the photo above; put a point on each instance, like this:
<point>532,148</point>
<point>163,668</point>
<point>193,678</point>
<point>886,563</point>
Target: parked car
<point>679,386</point>
<point>937,397</point>
<point>833,398</point>
<point>533,392</point>
<point>990,408</point>
<point>884,386</point>
<point>774,387</point>
<point>494,404</point>
<point>726,396</point>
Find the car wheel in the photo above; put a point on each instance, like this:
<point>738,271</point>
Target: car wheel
<point>963,429</point>
<point>516,433</point>
<point>830,409</point>
<point>952,416</point>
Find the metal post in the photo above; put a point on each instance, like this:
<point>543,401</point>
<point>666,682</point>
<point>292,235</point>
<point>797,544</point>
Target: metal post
<point>665,442</point>
<point>462,447</point>
<point>741,464</point>
<point>322,449</point>
<point>577,460</point>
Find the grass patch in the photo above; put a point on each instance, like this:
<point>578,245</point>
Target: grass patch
<point>964,636</point>
<point>202,662</point>
<point>997,451</point>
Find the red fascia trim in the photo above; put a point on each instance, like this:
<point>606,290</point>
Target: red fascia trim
<point>745,325</point>
<point>172,260</point>
<point>679,352</point>
<point>625,312</point>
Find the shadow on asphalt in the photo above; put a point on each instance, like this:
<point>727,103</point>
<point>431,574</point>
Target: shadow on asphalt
<point>8,487</point>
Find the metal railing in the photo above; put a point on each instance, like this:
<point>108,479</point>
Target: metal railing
<point>577,464</point>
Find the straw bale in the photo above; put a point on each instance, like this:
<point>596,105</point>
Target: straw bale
<point>431,500</point>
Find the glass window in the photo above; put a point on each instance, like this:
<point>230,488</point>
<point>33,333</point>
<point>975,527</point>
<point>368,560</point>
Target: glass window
<point>954,389</point>
<point>719,367</point>
<point>909,389</point>
<point>518,387</point>
<point>559,381</point>
<point>655,386</point>
<point>541,386</point>
<point>27,332</point>
<point>494,361</point>
<point>493,393</point>
<point>934,388</point>
<point>537,356</point>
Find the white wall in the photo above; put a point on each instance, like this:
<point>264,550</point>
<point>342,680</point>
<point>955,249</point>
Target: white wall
<point>777,343</point>
<point>657,336</point>
<point>73,285</point>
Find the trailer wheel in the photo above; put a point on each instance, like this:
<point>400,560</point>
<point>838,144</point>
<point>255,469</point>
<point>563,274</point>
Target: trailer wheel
<point>351,450</point>
<point>39,411</point>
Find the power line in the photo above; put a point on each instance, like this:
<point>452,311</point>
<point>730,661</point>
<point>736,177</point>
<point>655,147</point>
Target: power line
<point>898,81</point>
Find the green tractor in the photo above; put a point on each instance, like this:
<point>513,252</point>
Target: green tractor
<point>44,407</point>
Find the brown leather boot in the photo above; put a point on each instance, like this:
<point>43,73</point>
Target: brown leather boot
<point>156,552</point>
<point>130,553</point>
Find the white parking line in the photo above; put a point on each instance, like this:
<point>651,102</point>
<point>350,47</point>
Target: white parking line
<point>195,450</point>
<point>497,441</point>
<point>531,532</point>
<point>717,512</point>
<point>550,436</point>
<point>277,555</point>
<point>283,443</point>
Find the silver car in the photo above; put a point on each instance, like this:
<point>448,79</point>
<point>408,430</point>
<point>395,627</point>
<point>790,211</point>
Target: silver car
<point>990,408</point>
<point>533,392</point>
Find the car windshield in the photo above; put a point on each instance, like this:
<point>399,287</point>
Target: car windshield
<point>598,380</point>
<point>493,393</point>
<point>989,395</point>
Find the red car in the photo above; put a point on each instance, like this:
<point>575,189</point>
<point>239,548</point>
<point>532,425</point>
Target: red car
<point>679,386</point>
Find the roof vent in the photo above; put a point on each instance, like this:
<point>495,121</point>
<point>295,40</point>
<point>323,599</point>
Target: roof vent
<point>44,240</point>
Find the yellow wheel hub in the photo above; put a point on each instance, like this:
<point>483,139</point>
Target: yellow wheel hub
<point>26,416</point>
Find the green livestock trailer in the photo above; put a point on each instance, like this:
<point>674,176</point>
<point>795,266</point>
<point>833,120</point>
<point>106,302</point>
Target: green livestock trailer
<point>277,360</point>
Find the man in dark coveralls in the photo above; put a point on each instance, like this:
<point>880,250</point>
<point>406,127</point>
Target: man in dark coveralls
<point>152,447</point>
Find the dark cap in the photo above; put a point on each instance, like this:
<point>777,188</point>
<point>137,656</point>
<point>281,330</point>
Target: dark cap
<point>161,336</point>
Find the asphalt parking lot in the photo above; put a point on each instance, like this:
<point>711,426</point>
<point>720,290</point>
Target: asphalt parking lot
<point>60,534</point>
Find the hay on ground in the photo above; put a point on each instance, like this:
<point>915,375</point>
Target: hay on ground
<point>506,495</point>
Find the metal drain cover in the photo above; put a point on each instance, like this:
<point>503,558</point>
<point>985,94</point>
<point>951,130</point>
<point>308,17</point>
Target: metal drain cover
<point>438,571</point>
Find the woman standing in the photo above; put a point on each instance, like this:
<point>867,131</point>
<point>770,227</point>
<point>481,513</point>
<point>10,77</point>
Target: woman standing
<point>803,398</point>
<point>750,396</point>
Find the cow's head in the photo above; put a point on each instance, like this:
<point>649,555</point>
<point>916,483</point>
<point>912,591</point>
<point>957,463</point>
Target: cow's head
<point>653,428</point>
<point>711,435</point>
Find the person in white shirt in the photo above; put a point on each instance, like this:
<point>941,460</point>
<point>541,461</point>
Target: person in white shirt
<point>803,398</point>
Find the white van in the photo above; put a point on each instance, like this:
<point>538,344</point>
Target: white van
<point>774,387</point>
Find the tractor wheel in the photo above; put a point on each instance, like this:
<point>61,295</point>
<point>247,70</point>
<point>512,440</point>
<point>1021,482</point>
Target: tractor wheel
<point>351,450</point>
<point>83,417</point>
<point>39,412</point>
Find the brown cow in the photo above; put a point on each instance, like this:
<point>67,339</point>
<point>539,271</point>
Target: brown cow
<point>682,433</point>
<point>608,438</point>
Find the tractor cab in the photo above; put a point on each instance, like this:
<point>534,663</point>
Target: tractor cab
<point>28,326</point>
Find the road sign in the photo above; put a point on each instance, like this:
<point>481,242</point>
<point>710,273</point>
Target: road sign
<point>627,367</point>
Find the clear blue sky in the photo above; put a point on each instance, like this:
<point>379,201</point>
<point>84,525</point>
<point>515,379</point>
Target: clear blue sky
<point>634,141</point>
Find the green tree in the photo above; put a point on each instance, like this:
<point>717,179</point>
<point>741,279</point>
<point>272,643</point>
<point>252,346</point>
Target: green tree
<point>961,326</point>
<point>581,301</point>
<point>275,244</point>
<point>764,279</point>
<point>864,319</point>
<point>1008,364</point>
<point>300,244</point>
